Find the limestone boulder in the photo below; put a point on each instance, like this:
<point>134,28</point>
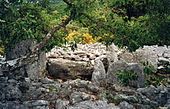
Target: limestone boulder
<point>65,69</point>
<point>99,73</point>
<point>119,66</point>
<point>20,49</point>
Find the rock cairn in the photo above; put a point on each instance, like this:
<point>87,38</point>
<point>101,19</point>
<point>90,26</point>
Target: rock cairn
<point>66,63</point>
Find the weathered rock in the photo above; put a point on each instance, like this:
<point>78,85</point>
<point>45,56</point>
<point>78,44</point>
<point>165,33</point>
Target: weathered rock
<point>1,74</point>
<point>82,84</point>
<point>149,92</point>
<point>121,97</point>
<point>163,65</point>
<point>112,56</point>
<point>47,81</point>
<point>105,62</point>
<point>128,57</point>
<point>113,69</point>
<point>142,106</point>
<point>99,73</point>
<point>113,53</point>
<point>118,66</point>
<point>125,105</point>
<point>17,76</point>
<point>162,98</point>
<point>159,95</point>
<point>12,105</point>
<point>21,49</point>
<point>38,104</point>
<point>61,104</point>
<point>168,103</point>
<point>12,92</point>
<point>93,105</point>
<point>149,54</point>
<point>20,81</point>
<point>3,84</point>
<point>37,69</point>
<point>56,70</point>
<point>77,97</point>
<point>32,66</point>
<point>89,52</point>
<point>64,69</point>
<point>73,64</point>
<point>138,70</point>
<point>163,60</point>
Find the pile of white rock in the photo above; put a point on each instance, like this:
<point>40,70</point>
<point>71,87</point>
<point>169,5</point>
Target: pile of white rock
<point>62,61</point>
<point>81,53</point>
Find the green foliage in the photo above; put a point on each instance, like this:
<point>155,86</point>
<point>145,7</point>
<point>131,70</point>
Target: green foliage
<point>156,80</point>
<point>130,23</point>
<point>125,76</point>
<point>58,39</point>
<point>148,68</point>
<point>53,89</point>
<point>151,77</point>
<point>130,34</point>
<point>28,20</point>
<point>22,22</point>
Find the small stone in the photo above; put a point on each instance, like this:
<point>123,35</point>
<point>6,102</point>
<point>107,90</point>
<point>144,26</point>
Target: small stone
<point>163,60</point>
<point>121,97</point>
<point>37,104</point>
<point>12,92</point>
<point>92,57</point>
<point>166,55</point>
<point>93,105</point>
<point>61,104</point>
<point>1,74</point>
<point>125,105</point>
<point>47,81</point>
<point>78,97</point>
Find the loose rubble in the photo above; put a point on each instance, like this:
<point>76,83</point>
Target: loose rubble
<point>83,79</point>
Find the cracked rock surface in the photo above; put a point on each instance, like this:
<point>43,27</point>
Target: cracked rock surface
<point>83,79</point>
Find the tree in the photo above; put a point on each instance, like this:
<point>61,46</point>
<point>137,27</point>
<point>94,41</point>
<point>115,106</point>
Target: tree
<point>21,21</point>
<point>130,23</point>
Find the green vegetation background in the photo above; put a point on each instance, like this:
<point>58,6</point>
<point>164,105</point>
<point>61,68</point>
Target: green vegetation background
<point>127,23</point>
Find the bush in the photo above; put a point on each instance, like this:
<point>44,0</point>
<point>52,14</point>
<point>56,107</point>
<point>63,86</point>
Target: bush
<point>129,23</point>
<point>29,20</point>
<point>78,37</point>
<point>151,77</point>
<point>125,76</point>
<point>22,22</point>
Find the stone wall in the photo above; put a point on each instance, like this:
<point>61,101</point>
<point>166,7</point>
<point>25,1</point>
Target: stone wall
<point>157,56</point>
<point>17,74</point>
<point>20,49</point>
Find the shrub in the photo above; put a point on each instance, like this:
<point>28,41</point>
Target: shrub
<point>126,76</point>
<point>151,77</point>
<point>79,37</point>
<point>22,21</point>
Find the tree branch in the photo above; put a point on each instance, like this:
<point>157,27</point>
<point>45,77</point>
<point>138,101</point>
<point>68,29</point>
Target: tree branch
<point>50,34</point>
<point>68,2</point>
<point>99,24</point>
